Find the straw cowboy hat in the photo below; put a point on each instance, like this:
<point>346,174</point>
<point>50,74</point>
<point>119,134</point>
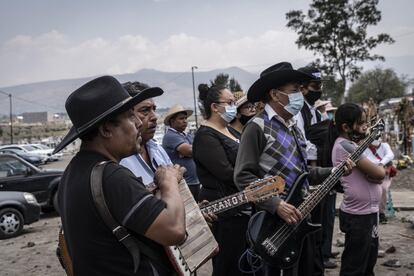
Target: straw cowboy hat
<point>174,110</point>
<point>320,103</point>
<point>97,100</point>
<point>274,77</point>
<point>241,101</point>
<point>330,107</point>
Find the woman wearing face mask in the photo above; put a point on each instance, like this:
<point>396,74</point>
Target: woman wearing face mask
<point>214,152</point>
<point>245,111</point>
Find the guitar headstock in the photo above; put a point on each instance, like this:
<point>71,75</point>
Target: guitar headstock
<point>265,188</point>
<point>377,127</point>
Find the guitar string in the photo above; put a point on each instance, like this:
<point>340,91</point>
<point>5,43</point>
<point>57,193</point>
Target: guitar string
<point>285,231</point>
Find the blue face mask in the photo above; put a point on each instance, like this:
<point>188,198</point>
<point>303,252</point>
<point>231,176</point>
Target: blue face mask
<point>295,104</point>
<point>230,113</point>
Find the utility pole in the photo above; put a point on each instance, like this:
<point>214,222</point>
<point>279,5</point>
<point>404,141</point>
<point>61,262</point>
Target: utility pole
<point>11,115</point>
<point>194,95</point>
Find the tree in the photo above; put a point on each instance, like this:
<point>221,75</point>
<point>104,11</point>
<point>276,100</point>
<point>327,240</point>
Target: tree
<point>378,84</point>
<point>224,81</point>
<point>332,90</point>
<point>221,80</point>
<point>234,85</point>
<point>336,30</point>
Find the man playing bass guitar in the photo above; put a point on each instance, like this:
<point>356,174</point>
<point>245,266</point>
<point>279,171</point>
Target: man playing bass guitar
<point>271,144</point>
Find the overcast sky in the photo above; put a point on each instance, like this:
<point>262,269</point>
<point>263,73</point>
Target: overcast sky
<point>51,39</point>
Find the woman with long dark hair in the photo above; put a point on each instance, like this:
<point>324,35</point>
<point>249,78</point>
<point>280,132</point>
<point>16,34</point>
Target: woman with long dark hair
<point>358,215</point>
<point>214,152</point>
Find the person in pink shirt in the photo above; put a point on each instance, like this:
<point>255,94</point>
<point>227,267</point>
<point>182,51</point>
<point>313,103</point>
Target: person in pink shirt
<point>358,215</point>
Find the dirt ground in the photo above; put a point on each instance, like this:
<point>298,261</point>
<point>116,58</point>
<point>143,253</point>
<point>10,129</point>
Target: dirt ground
<point>33,252</point>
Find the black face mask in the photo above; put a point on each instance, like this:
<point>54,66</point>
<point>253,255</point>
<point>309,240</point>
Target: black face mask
<point>356,136</point>
<point>313,96</point>
<point>244,119</point>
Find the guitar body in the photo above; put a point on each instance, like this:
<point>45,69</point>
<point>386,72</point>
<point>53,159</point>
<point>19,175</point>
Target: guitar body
<point>263,225</point>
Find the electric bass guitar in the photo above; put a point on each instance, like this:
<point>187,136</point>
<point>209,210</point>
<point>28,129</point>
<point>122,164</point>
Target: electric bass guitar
<point>279,243</point>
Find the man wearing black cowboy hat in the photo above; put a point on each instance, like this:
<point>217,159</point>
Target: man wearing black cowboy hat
<point>102,117</point>
<point>271,144</point>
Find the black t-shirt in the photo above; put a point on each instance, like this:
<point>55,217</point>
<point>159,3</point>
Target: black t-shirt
<point>92,246</point>
<point>215,155</point>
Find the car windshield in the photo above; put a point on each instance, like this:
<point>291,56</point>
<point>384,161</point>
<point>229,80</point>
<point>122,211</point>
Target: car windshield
<point>11,167</point>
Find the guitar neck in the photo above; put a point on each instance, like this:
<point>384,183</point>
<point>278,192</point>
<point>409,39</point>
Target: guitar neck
<point>225,203</point>
<point>314,198</point>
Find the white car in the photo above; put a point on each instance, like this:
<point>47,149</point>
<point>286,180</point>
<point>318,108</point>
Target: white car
<point>29,150</point>
<point>48,151</point>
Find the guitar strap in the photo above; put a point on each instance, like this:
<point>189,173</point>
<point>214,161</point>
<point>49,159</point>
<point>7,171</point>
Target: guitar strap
<point>134,246</point>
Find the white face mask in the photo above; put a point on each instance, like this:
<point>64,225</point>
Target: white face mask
<point>295,103</point>
<point>376,143</point>
<point>230,113</point>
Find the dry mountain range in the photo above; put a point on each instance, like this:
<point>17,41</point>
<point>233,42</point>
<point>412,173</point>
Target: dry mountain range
<point>51,95</point>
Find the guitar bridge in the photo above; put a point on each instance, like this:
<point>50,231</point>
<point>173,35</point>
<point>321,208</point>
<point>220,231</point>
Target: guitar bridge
<point>269,246</point>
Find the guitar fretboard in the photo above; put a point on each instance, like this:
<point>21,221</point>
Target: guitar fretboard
<point>314,198</point>
<point>226,203</point>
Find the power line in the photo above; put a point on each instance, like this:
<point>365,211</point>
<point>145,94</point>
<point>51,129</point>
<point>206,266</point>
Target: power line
<point>29,101</point>
<point>37,103</point>
<point>176,77</point>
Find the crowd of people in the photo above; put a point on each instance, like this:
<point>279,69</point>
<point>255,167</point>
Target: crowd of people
<point>280,127</point>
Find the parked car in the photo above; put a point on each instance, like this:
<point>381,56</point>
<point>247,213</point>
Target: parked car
<point>48,151</point>
<point>16,210</point>
<point>32,158</point>
<point>18,175</point>
<point>29,150</point>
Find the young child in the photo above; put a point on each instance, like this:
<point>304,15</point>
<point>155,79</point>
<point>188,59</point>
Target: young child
<point>358,215</point>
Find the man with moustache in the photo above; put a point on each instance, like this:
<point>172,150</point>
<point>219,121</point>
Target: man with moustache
<point>103,118</point>
<point>151,155</point>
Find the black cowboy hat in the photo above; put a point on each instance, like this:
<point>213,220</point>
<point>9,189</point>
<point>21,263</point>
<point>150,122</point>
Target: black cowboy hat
<point>96,101</point>
<point>274,77</point>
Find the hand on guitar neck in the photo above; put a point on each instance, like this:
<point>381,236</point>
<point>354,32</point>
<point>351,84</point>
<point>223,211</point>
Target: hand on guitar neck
<point>209,217</point>
<point>349,165</point>
<point>290,214</point>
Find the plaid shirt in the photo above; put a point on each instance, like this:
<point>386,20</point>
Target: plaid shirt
<point>282,156</point>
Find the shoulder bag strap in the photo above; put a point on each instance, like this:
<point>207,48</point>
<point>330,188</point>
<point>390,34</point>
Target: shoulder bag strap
<point>134,245</point>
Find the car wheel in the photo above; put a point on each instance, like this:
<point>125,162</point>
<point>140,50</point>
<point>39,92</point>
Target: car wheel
<point>55,202</point>
<point>11,223</point>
